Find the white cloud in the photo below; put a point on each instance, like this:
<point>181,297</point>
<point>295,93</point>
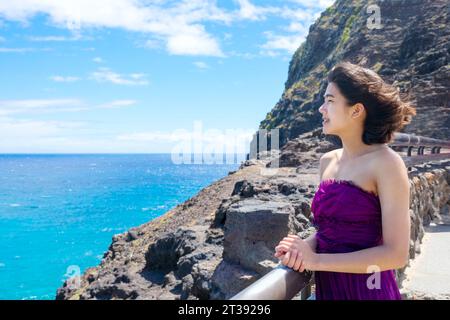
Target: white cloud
<point>22,50</point>
<point>300,18</point>
<point>107,75</point>
<point>116,104</point>
<point>303,11</point>
<point>35,136</point>
<point>197,133</point>
<point>249,11</point>
<point>321,4</point>
<point>302,15</point>
<point>298,28</point>
<point>211,136</point>
<point>64,78</point>
<point>38,103</point>
<point>245,55</point>
<point>154,43</point>
<point>193,40</point>
<point>75,37</point>
<point>8,107</point>
<point>30,136</point>
<point>26,128</point>
<point>197,141</point>
<point>278,44</point>
<point>153,136</point>
<point>178,24</point>
<point>98,60</point>
<point>40,106</point>
<point>26,135</point>
<point>201,65</point>
<point>16,50</point>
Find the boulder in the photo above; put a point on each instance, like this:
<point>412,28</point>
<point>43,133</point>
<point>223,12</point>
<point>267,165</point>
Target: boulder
<point>252,230</point>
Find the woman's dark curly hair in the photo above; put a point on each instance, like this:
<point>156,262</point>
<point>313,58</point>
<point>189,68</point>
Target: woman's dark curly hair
<point>386,111</point>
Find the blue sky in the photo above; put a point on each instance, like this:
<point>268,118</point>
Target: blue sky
<point>94,76</point>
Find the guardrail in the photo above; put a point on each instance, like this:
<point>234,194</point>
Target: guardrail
<point>283,283</point>
<point>411,141</point>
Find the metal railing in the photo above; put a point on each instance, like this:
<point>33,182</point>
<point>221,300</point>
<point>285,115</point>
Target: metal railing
<point>283,283</point>
<point>411,141</point>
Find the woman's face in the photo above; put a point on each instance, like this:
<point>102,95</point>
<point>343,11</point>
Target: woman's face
<point>335,111</point>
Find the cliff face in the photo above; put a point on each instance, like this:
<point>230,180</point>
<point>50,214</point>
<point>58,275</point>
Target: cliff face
<point>410,50</point>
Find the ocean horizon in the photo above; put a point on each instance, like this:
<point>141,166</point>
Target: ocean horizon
<point>60,211</point>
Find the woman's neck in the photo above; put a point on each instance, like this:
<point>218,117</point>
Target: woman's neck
<point>353,149</point>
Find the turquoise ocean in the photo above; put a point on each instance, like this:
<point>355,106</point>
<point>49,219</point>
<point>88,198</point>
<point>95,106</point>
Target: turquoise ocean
<point>60,211</point>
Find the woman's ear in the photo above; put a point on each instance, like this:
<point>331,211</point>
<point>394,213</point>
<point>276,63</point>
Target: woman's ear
<point>358,110</point>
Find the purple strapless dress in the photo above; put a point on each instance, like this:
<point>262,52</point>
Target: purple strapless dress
<point>348,218</point>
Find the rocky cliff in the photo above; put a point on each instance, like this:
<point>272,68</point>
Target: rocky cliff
<point>409,48</point>
<point>221,240</point>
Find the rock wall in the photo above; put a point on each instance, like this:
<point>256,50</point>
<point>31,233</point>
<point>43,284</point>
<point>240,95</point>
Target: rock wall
<point>429,202</point>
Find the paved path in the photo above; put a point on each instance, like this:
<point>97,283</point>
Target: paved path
<point>428,276</point>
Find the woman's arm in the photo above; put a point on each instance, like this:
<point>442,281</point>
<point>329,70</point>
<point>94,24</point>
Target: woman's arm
<point>312,241</point>
<point>393,190</point>
<point>370,260</point>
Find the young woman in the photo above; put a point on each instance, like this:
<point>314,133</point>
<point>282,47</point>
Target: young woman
<point>361,208</point>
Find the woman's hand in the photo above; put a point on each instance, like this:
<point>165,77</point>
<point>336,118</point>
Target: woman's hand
<point>296,253</point>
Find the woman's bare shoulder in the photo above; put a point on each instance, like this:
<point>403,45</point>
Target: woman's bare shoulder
<point>387,156</point>
<point>331,154</point>
<point>388,161</point>
<point>326,159</point>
